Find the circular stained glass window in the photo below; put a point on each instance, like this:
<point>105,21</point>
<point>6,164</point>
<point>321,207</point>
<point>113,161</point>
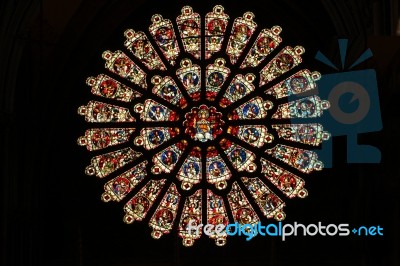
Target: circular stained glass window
<point>195,127</point>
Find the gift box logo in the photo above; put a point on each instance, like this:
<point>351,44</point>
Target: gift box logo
<point>354,110</point>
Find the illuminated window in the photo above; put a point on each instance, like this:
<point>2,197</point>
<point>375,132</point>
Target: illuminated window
<point>192,132</point>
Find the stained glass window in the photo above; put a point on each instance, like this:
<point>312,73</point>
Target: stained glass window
<point>193,131</point>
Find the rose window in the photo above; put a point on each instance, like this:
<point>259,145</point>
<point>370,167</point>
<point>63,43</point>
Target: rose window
<point>189,122</point>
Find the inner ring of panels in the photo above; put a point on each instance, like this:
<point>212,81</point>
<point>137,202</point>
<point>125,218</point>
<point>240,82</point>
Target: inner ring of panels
<point>190,121</point>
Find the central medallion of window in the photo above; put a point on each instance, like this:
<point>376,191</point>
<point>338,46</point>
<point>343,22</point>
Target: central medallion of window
<point>203,123</point>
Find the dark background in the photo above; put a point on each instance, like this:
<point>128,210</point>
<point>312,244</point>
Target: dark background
<point>52,213</point>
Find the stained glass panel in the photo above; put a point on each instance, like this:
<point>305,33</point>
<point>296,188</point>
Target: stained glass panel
<point>202,124</point>
<point>308,107</point>
<point>300,82</point>
<point>152,137</point>
<point>217,171</point>
<point>266,42</point>
<point>103,165</point>
<point>165,161</point>
<point>216,24</point>
<point>216,75</point>
<point>268,202</point>
<point>284,61</point>
<point>163,33</point>
<point>154,111</point>
<point>167,89</point>
<point>242,211</point>
<point>240,158</point>
<point>189,25</point>
<point>255,135</point>
<point>137,208</point>
<point>107,87</point>
<point>287,182</point>
<point>139,45</point>
<point>191,170</point>
<point>100,138</point>
<point>311,134</point>
<point>99,112</point>
<point>117,188</point>
<point>242,29</point>
<point>239,87</point>
<point>120,64</point>
<point>254,109</point>
<point>191,213</point>
<point>304,160</point>
<point>190,77</point>
<point>163,218</point>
